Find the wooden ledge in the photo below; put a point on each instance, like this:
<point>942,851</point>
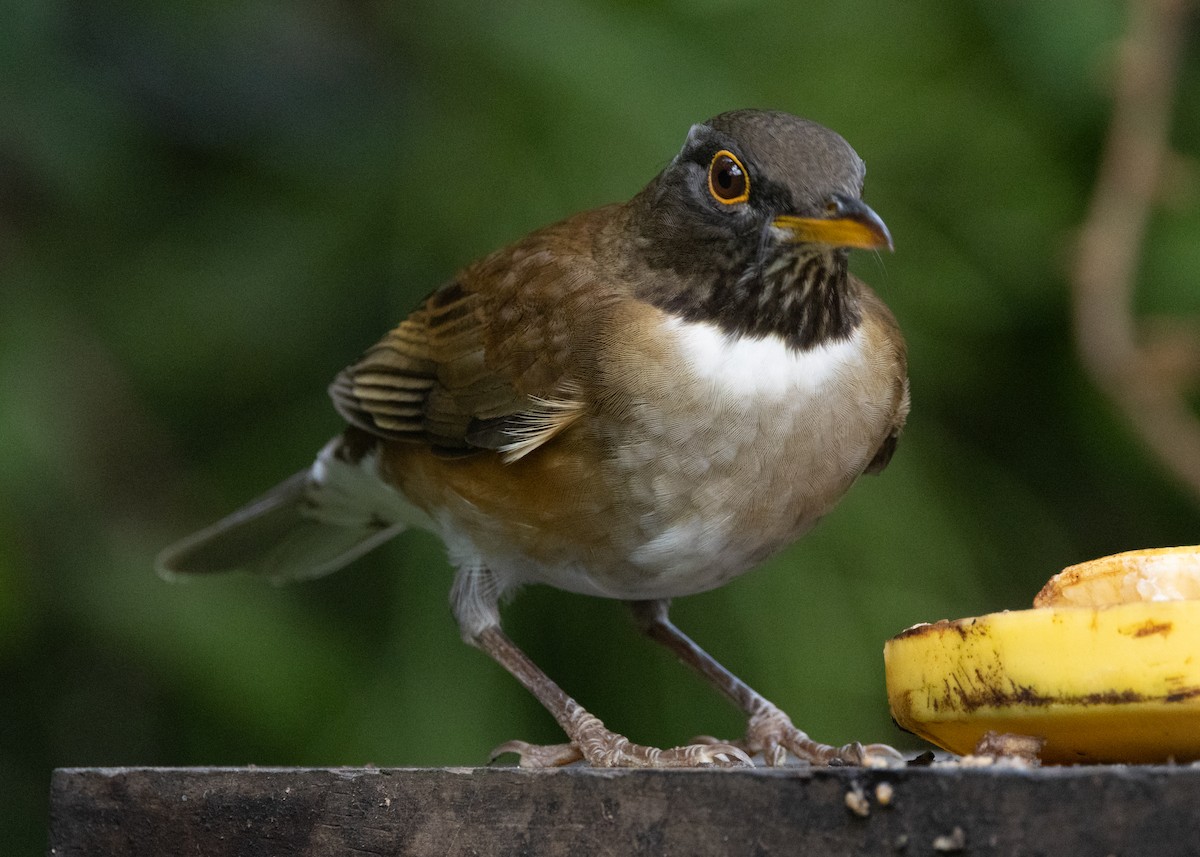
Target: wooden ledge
<point>246,812</point>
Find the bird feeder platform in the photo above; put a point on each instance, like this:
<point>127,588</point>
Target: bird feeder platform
<point>997,810</point>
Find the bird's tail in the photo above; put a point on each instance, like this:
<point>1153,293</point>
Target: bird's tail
<point>309,525</point>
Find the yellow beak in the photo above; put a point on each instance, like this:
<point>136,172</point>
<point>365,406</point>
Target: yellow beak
<point>851,223</point>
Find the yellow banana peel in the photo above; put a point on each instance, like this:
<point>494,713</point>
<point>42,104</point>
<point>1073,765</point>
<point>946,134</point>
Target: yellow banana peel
<point>1105,669</point>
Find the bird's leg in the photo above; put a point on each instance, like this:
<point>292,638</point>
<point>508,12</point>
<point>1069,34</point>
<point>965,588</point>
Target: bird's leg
<point>474,601</point>
<point>769,731</point>
<point>590,739</point>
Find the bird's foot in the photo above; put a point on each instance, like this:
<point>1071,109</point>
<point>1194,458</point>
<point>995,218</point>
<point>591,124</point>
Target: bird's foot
<point>625,754</point>
<point>771,733</point>
<point>602,748</point>
<point>539,755</point>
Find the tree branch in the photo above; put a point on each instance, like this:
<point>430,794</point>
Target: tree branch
<point>1123,361</point>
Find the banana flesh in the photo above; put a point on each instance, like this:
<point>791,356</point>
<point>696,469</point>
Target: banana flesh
<point>1153,574</point>
<point>1099,678</point>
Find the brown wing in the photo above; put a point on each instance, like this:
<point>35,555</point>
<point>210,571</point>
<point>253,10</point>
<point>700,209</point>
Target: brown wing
<point>887,327</point>
<point>495,360</point>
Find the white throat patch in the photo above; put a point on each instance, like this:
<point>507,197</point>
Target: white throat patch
<point>761,367</point>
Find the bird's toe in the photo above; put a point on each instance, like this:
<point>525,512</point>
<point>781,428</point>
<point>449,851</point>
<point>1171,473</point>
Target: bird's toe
<point>539,755</point>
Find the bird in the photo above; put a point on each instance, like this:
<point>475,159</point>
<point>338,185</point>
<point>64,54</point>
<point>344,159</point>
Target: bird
<point>640,402</point>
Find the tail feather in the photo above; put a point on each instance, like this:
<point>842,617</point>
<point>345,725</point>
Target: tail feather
<point>309,525</point>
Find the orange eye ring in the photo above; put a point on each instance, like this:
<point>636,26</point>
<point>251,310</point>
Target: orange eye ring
<point>727,179</point>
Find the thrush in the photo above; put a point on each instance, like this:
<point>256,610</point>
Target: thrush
<point>640,402</point>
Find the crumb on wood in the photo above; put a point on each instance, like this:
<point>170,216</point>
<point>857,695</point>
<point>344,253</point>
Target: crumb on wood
<point>955,840</point>
<point>884,793</point>
<point>857,802</point>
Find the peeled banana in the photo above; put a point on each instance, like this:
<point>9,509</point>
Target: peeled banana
<point>1105,668</point>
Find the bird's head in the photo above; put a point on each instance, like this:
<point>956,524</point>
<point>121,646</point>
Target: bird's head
<point>757,210</point>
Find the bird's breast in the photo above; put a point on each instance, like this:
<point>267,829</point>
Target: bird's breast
<point>701,454</point>
<point>738,445</point>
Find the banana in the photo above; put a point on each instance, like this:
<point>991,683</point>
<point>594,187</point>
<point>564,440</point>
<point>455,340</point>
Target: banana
<point>1105,668</point>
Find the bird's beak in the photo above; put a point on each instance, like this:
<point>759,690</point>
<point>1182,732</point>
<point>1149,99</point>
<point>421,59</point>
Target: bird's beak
<point>851,223</point>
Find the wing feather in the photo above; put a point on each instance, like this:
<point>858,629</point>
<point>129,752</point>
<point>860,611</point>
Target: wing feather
<point>490,361</point>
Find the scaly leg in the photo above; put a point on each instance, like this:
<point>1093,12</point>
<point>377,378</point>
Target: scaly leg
<point>474,599</point>
<point>769,730</point>
<point>590,739</point>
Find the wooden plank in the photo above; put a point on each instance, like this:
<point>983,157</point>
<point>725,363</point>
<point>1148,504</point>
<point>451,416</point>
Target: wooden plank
<point>255,812</point>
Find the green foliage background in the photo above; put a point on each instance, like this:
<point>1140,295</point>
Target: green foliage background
<point>208,208</point>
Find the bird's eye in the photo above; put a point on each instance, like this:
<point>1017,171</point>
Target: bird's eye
<point>727,179</point>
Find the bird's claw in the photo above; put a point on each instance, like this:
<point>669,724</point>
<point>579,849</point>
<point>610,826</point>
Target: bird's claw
<point>539,755</point>
<point>772,733</point>
<point>615,751</point>
<point>881,756</point>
